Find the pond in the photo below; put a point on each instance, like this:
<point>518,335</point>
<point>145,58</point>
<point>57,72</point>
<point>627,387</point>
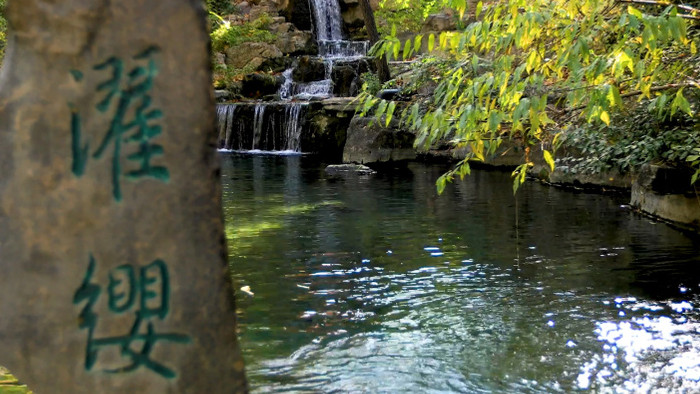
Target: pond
<point>376,284</point>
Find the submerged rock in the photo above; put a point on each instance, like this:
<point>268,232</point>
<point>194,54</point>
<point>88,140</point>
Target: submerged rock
<point>348,169</point>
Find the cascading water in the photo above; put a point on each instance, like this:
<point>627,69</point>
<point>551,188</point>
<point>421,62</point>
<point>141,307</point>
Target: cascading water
<point>278,126</point>
<point>332,48</point>
<point>275,126</point>
<point>257,125</point>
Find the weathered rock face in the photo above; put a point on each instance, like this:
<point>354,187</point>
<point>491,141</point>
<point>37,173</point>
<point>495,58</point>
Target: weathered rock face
<point>258,85</point>
<point>346,76</point>
<point>295,42</point>
<point>439,22</point>
<point>251,55</point>
<point>353,17</point>
<point>369,142</point>
<point>666,193</point>
<point>298,13</point>
<point>114,277</point>
<point>327,127</point>
<point>309,69</point>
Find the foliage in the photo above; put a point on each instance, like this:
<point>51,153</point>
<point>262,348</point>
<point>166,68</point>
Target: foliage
<point>220,7</point>
<point>371,83</point>
<point>226,77</point>
<point>227,34</point>
<point>628,143</point>
<point>527,67</point>
<point>407,14</point>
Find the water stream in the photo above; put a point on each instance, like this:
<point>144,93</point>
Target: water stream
<point>375,284</point>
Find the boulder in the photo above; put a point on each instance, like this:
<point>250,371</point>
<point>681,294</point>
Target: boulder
<point>438,23</point>
<point>327,131</point>
<point>296,42</point>
<point>257,85</point>
<point>370,142</point>
<point>251,55</point>
<point>309,69</point>
<point>298,13</point>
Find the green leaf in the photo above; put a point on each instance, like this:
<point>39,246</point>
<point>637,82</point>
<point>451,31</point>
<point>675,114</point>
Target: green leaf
<point>417,42</point>
<point>390,112</point>
<point>614,97</point>
<point>397,48</point>
<point>431,42</point>
<point>479,7</point>
<point>406,49</point>
<point>393,30</point>
<point>633,11</point>
<point>680,102</point>
<point>380,109</point>
<point>549,159</point>
<point>441,183</point>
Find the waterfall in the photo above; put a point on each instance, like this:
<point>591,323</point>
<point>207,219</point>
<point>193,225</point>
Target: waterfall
<point>278,126</point>
<point>292,127</point>
<point>266,127</point>
<point>329,22</point>
<point>257,125</point>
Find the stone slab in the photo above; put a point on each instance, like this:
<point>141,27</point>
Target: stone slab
<point>113,262</point>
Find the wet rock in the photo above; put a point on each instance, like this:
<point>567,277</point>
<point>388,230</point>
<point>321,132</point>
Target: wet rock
<point>258,85</point>
<point>114,273</point>
<point>309,69</point>
<point>222,95</point>
<point>276,65</point>
<point>347,169</point>
<point>369,141</point>
<point>327,131</point>
<point>298,13</point>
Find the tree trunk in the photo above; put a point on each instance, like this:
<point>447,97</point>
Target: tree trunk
<point>371,26</point>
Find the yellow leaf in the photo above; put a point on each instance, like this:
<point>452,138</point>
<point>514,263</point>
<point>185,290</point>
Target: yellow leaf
<point>605,117</point>
<point>693,48</point>
<point>549,159</point>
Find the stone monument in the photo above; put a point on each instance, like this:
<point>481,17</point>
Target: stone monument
<point>113,273</point>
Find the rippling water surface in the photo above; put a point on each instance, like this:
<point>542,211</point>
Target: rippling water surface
<point>376,284</point>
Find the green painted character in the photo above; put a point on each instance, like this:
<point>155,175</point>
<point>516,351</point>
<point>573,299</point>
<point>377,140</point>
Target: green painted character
<point>145,292</point>
<point>133,121</point>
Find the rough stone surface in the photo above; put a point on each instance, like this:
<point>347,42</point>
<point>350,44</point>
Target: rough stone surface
<point>298,13</point>
<point>340,104</point>
<point>296,42</point>
<point>439,22</point>
<point>309,69</point>
<point>122,245</point>
<point>251,54</point>
<point>327,131</point>
<point>368,141</point>
<point>258,85</point>
<point>666,193</point>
